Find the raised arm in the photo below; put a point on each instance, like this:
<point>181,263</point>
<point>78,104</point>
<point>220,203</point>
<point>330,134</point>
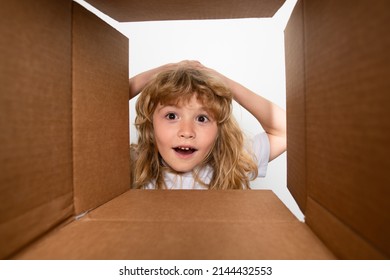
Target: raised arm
<point>270,116</point>
<point>138,82</point>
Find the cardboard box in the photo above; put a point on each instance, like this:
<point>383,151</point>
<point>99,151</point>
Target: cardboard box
<point>64,161</point>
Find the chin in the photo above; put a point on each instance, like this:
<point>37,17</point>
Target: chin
<point>179,170</point>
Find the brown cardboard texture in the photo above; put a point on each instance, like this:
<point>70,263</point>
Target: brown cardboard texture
<point>346,105</point>
<point>186,225</point>
<point>100,111</point>
<point>36,182</point>
<point>64,181</point>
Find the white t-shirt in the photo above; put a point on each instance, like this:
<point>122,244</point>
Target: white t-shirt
<point>260,149</point>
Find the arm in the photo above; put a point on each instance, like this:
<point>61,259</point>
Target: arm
<point>138,82</point>
<point>270,116</point>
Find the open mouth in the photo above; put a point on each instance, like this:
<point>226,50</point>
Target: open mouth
<point>185,150</point>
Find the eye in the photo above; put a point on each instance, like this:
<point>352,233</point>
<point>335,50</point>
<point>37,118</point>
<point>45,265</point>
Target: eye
<point>202,118</point>
<point>171,116</point>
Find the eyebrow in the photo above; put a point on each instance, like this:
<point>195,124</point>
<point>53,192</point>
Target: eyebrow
<point>175,106</point>
<point>161,107</point>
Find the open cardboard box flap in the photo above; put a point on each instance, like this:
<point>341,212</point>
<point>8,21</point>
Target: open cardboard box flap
<point>186,225</point>
<point>64,143</point>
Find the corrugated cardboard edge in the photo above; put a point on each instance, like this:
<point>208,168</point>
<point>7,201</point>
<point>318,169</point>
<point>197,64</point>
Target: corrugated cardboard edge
<point>296,106</point>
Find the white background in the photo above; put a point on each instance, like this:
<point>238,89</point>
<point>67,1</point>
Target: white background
<point>250,51</point>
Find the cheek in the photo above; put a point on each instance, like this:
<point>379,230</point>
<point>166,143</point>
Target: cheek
<point>158,134</point>
<point>211,135</point>
<point>162,133</point>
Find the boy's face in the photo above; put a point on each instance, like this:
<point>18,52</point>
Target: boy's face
<point>184,134</point>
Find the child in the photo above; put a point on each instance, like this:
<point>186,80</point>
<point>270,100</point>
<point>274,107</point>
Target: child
<point>188,138</point>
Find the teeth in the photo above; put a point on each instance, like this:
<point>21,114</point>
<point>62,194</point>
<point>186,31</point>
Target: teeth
<point>184,148</point>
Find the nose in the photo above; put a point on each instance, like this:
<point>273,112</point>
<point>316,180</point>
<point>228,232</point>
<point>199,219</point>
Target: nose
<point>186,130</point>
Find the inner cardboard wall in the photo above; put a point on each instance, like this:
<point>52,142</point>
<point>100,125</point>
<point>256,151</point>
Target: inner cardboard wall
<point>55,151</point>
<point>295,106</point>
<point>100,111</point>
<point>35,119</point>
<point>348,125</point>
<point>146,225</point>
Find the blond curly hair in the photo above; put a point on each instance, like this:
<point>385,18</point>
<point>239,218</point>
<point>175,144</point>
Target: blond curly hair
<point>232,164</point>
